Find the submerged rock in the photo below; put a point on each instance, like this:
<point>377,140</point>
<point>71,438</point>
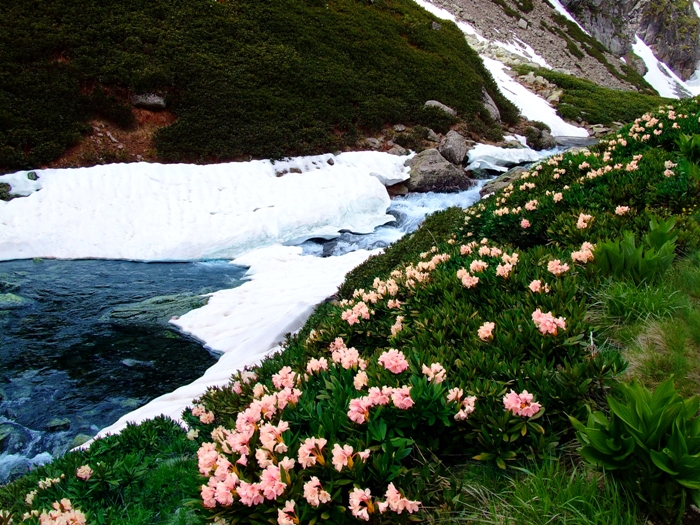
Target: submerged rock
<point>155,311</point>
<point>10,301</point>
<point>430,171</point>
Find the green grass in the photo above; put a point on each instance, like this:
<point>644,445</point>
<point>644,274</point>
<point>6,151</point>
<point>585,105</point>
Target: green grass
<point>596,104</point>
<point>260,78</point>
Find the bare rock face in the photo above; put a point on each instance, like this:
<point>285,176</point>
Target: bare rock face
<point>430,171</point>
<point>148,101</point>
<point>491,106</point>
<point>441,106</point>
<point>497,184</point>
<point>454,147</point>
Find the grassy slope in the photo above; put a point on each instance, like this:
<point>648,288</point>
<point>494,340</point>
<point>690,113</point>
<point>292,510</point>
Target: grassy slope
<point>261,78</point>
<point>441,319</point>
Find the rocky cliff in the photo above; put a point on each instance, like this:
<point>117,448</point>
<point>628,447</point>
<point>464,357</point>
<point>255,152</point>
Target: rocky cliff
<point>670,27</point>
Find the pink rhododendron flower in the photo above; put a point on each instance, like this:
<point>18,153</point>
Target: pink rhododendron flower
<point>396,502</point>
<point>311,451</point>
<point>485,331</point>
<point>455,395</point>
<point>337,344</point>
<point>547,323</point>
<point>342,456</point>
<point>360,380</point>
<point>361,503</point>
<point>285,378</point>
<point>358,411</point>
<point>556,267</point>
<point>359,311</point>
<point>477,266</point>
<point>524,223</point>
<point>287,464</point>
<point>314,493</point>
<point>250,493</point>
<point>347,358</point>
<point>467,407</point>
<point>531,205</point>
<point>510,259</point>
<point>537,287</point>
<point>484,250</point>
<point>521,404</point>
<point>63,513</point>
<point>208,499</point>
<point>271,483</point>
<point>585,254</point>
<point>316,365</point>
<point>259,390</point>
<point>436,373</point>
<point>84,472</point>
<point>622,210</point>
<point>401,397</point>
<point>503,270</point>
<point>394,361</point>
<point>264,458</point>
<point>271,436</point>
<point>286,396</point>
<point>393,303</point>
<point>397,326</point>
<point>468,281</point>
<point>378,397</point>
<point>287,514</point>
<point>583,221</point>
<point>237,388</point>
<point>224,490</point>
<point>206,458</point>
<point>558,197</point>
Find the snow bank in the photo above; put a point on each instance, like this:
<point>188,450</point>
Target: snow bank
<point>556,4</point>
<point>661,78</point>
<point>530,105</point>
<point>485,156</point>
<point>183,212</point>
<point>247,323</point>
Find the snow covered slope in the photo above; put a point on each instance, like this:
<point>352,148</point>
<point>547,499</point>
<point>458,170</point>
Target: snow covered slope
<point>661,78</point>
<point>183,212</point>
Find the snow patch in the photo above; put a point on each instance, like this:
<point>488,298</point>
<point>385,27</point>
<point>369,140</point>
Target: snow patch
<point>556,4</point>
<point>157,212</point>
<point>530,105</point>
<point>485,156</point>
<point>661,78</point>
<point>247,323</point>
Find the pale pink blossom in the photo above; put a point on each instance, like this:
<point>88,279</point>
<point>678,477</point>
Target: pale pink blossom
<point>285,378</point>
<point>311,452</point>
<point>394,303</point>
<point>314,493</point>
<point>357,312</point>
<point>485,331</point>
<point>455,395</point>
<point>547,323</point>
<point>556,267</point>
<point>436,373</point>
<point>208,497</point>
<point>237,388</point>
<point>360,381</point>
<point>287,464</point>
<point>510,259</point>
<point>358,410</point>
<point>378,397</point>
<point>342,456</point>
<point>468,406</point>
<point>558,197</point>
<point>524,223</point>
<point>361,503</point>
<point>347,357</point>
<point>583,221</point>
<point>250,493</point>
<point>477,266</point>
<point>468,281</point>
<point>584,255</point>
<point>264,458</point>
<point>521,404</point>
<point>224,490</point>
<point>317,365</point>
<point>401,397</point>
<point>286,396</point>
<point>396,502</point>
<point>531,205</point>
<point>503,270</point>
<point>397,326</point>
<point>271,436</point>
<point>622,210</point>
<point>271,484</point>
<point>206,458</point>
<point>337,344</point>
<point>394,361</point>
<point>484,250</point>
<point>287,514</point>
<point>84,472</point>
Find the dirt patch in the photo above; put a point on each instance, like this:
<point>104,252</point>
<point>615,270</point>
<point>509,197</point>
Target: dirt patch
<point>107,143</point>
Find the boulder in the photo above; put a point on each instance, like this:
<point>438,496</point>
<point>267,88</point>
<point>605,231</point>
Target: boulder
<point>432,136</point>
<point>490,106</point>
<point>453,147</point>
<point>397,189</point>
<point>57,424</point>
<point>547,141</point>
<point>522,23</point>
<point>155,311</point>
<point>10,301</point>
<point>373,143</point>
<point>399,128</point>
<point>500,182</point>
<point>430,171</point>
<point>148,101</point>
<point>397,150</point>
<point>441,106</point>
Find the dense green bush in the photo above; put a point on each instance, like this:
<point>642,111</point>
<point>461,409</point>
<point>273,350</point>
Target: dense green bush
<point>651,443</point>
<point>260,78</point>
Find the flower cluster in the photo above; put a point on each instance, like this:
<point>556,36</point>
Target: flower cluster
<point>521,404</point>
<point>585,254</point>
<point>63,513</point>
<point>547,323</point>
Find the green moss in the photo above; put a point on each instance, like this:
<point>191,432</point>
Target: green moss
<point>259,78</point>
<point>595,104</point>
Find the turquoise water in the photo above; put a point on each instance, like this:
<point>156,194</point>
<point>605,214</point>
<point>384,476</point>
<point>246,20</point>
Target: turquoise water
<point>79,348</point>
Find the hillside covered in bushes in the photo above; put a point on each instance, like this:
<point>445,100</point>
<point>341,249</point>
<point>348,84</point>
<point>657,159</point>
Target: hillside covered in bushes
<point>241,78</point>
<point>452,370</point>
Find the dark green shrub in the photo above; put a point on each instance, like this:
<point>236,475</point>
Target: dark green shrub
<point>650,443</point>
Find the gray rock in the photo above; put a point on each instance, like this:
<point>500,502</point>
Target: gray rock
<point>441,106</point>
<point>453,147</point>
<point>330,162</point>
<point>436,26</point>
<point>156,311</point>
<point>397,189</point>
<point>522,23</point>
<point>399,128</point>
<point>547,141</point>
<point>80,439</point>
<point>294,170</point>
<point>497,184</point>
<point>57,424</point>
<point>13,438</point>
<point>31,175</point>
<point>490,106</point>
<point>10,301</point>
<point>148,101</point>
<point>430,171</point>
<point>397,150</point>
<point>432,136</point>
<point>373,143</point>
